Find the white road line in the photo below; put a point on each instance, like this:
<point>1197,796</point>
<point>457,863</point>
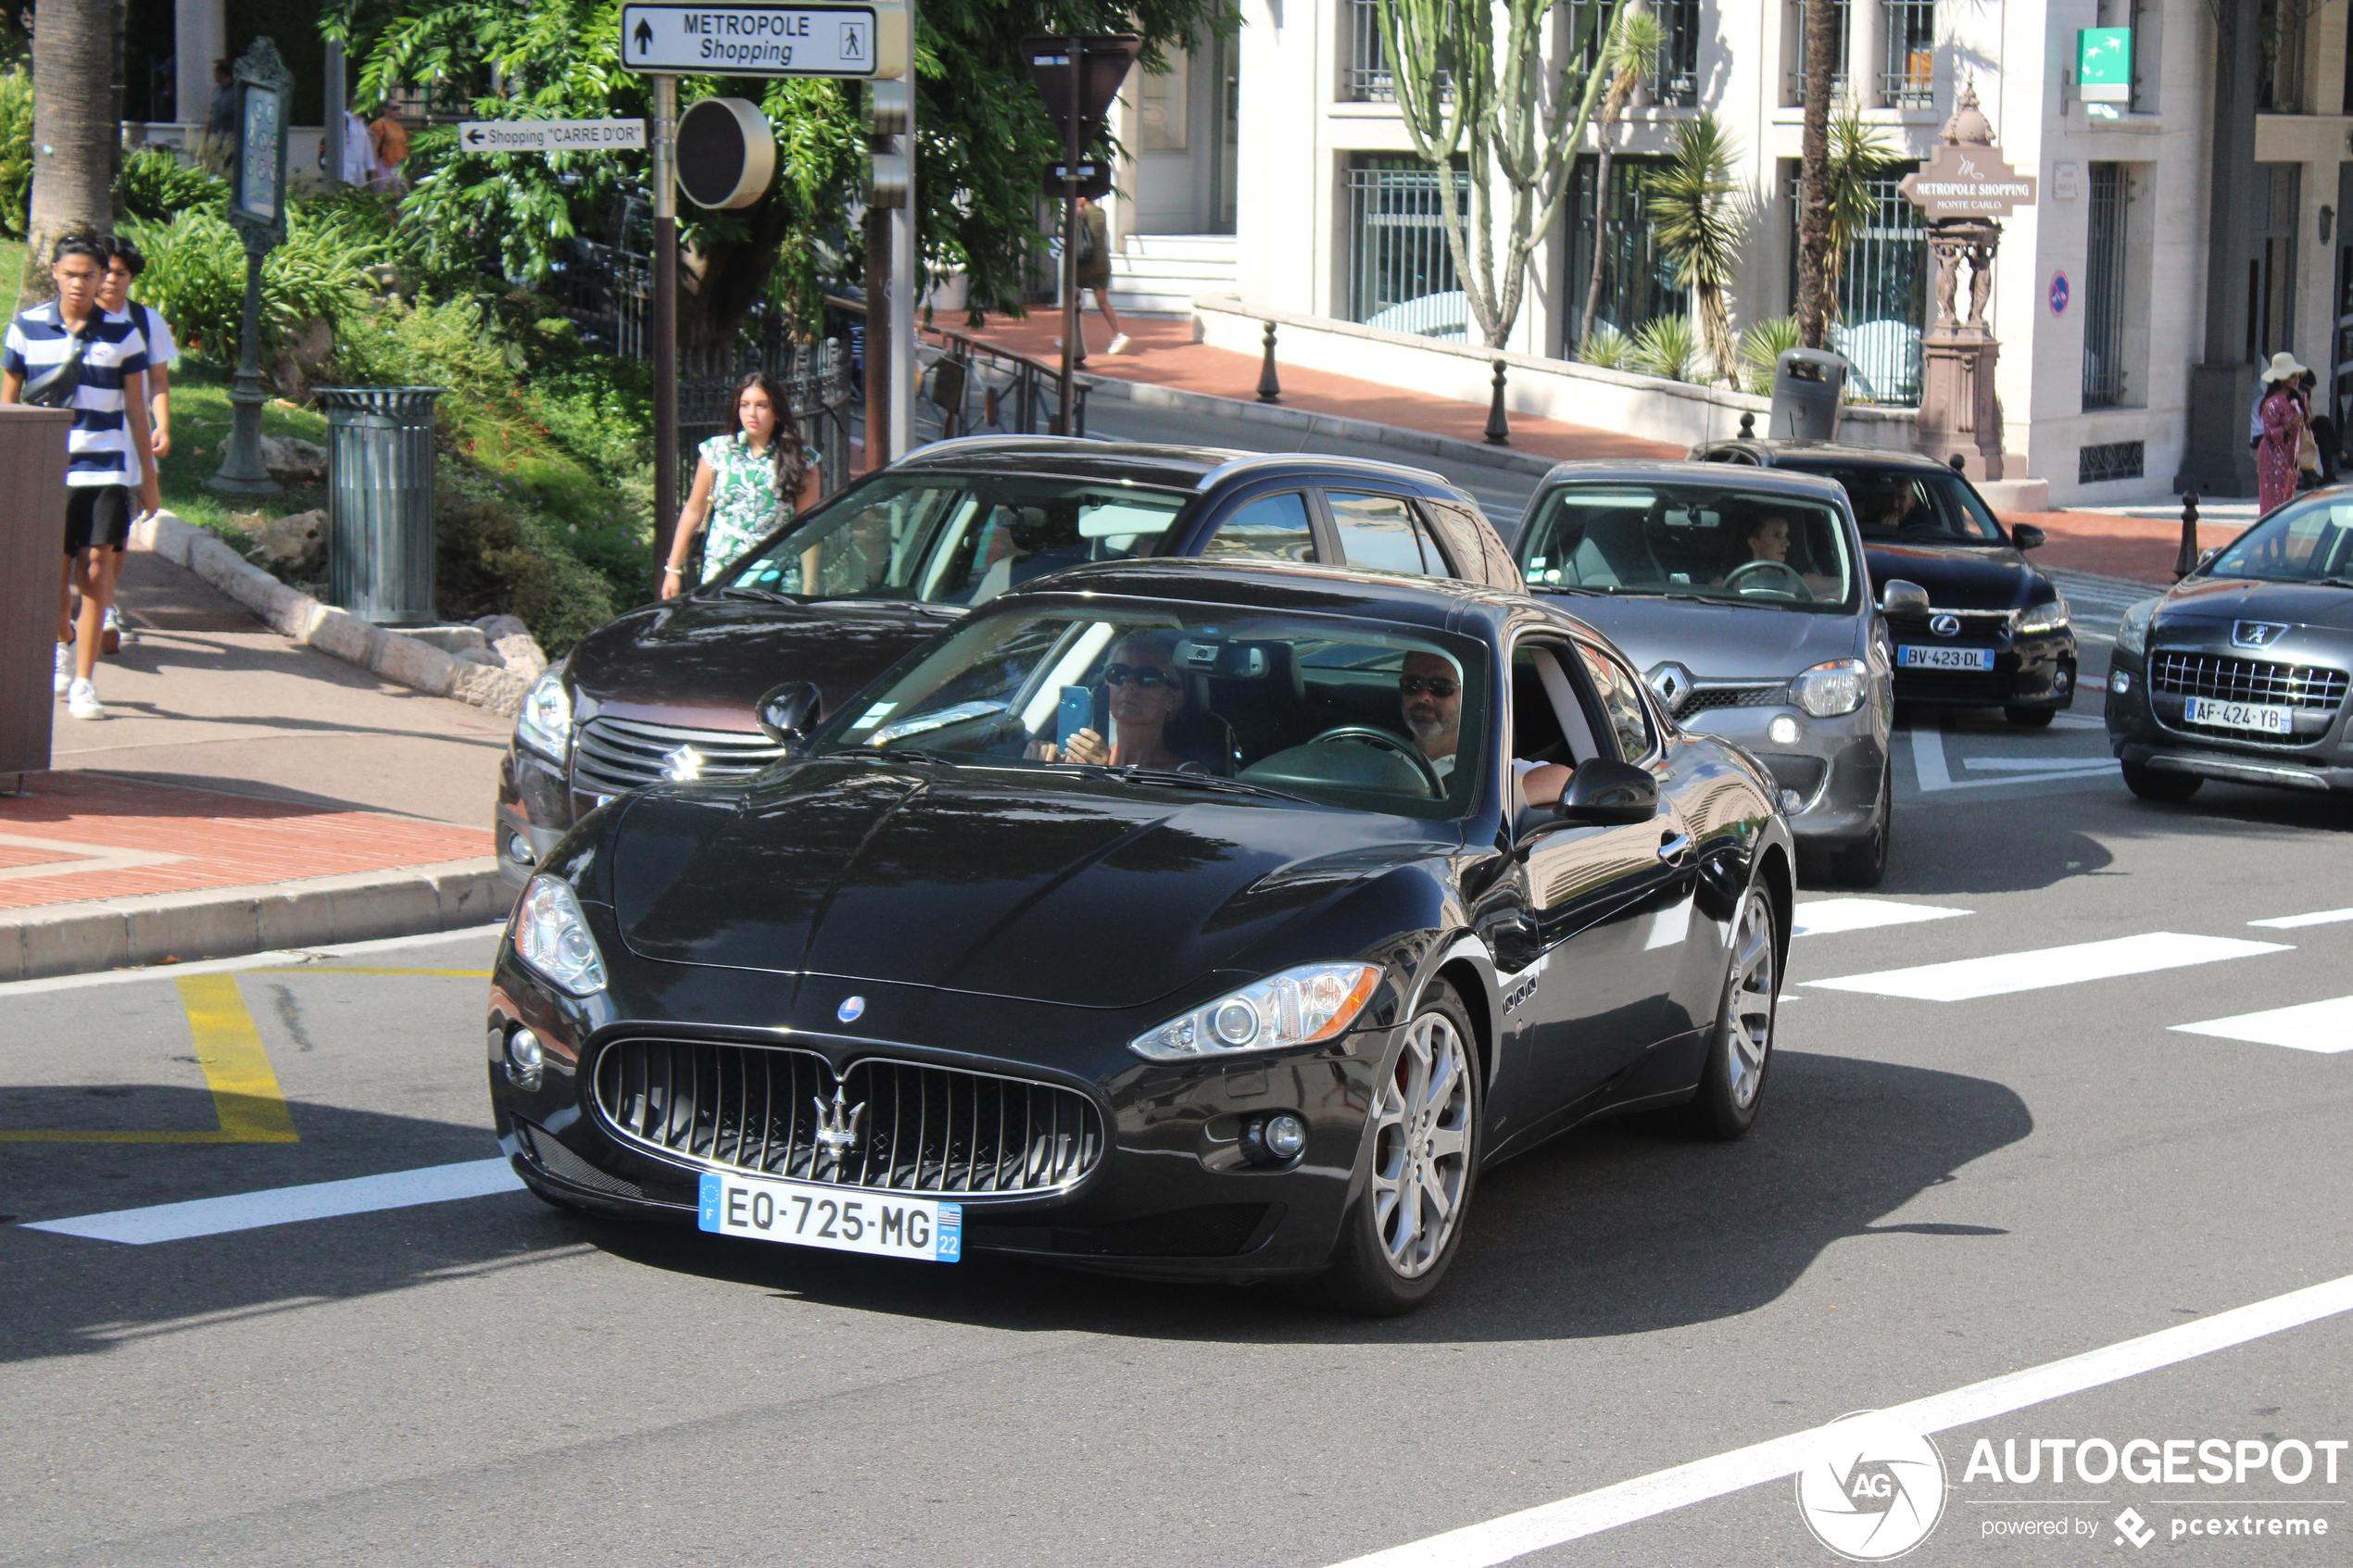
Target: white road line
<point>2314,1026</point>
<point>272,959</point>
<point>2029,764</point>
<point>279,1206</point>
<point>1589,1513</point>
<point>1827,917</point>
<point>2003,973</point>
<point>2289,922</point>
<point>1928,765</point>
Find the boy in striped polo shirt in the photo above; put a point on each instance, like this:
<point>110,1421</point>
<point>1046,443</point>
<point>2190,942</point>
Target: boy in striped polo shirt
<point>74,343</point>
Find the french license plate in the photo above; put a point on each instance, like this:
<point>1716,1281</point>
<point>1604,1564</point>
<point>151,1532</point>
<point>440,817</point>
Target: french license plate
<point>2257,716</point>
<point>846,1220</point>
<point>1944,658</point>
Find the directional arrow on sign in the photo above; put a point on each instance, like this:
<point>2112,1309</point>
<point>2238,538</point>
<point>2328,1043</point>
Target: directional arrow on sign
<point>644,36</point>
<point>474,137</point>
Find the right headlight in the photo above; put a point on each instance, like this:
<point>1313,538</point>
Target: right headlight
<point>551,937</point>
<point>2133,631</point>
<point>2041,618</point>
<point>1831,688</point>
<point>1298,1007</point>
<point>545,724</point>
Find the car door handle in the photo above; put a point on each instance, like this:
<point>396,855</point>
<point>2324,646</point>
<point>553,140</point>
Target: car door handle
<point>1674,845</point>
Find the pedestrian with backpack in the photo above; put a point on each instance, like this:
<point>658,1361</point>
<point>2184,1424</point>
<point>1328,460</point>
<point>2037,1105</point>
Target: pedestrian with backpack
<point>72,353</point>
<point>123,266</point>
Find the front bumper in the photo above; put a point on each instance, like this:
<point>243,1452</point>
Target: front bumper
<point>534,806</point>
<point>1171,1195</point>
<point>2033,670</point>
<point>2145,730</point>
<point>1834,766</point>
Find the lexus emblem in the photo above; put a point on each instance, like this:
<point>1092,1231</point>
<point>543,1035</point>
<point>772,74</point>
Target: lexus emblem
<point>2257,634</point>
<point>849,1009</point>
<point>1672,684</point>
<point>682,766</point>
<point>837,1124</point>
<point>1945,625</point>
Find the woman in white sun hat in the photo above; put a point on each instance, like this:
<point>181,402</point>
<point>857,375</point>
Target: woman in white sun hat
<point>2282,411</point>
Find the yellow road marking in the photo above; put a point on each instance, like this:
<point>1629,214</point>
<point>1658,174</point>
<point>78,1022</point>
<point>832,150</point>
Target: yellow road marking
<point>317,969</point>
<point>236,1068</point>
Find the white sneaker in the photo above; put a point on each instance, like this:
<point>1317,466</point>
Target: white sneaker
<point>82,700</point>
<point>1119,344</point>
<point>65,670</point>
<point>114,633</point>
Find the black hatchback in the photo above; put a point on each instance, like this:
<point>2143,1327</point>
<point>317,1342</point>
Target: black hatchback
<point>1993,632</point>
<point>666,693</point>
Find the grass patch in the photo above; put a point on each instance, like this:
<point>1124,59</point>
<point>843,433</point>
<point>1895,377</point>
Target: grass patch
<point>12,270</point>
<point>200,417</point>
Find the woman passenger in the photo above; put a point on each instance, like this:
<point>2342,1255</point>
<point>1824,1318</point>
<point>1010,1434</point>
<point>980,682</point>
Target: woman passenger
<point>1146,693</point>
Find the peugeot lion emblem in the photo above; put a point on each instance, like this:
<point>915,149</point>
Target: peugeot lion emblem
<point>849,1009</point>
<point>837,1124</point>
<point>2257,634</point>
<point>1946,626</point>
<point>682,766</point>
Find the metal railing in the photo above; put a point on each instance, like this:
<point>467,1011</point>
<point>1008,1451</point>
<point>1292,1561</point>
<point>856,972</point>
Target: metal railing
<point>1909,71</point>
<point>971,386</point>
<point>1882,296</point>
<point>1401,271</point>
<point>1675,81</point>
<point>1366,77</point>
<point>1793,83</point>
<point>1638,282</point>
<point>2104,287</point>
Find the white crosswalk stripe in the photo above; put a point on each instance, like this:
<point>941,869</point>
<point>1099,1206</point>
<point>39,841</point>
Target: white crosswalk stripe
<point>278,1206</point>
<point>2313,1026</point>
<point>2289,922</point>
<point>1827,917</point>
<point>2005,973</point>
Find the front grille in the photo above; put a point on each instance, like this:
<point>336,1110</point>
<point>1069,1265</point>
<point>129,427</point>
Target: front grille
<point>1978,627</point>
<point>557,1160</point>
<point>616,754</point>
<point>1701,698</point>
<point>2308,686</point>
<point>919,1129</point>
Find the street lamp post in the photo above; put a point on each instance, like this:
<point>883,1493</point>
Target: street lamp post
<point>257,213</point>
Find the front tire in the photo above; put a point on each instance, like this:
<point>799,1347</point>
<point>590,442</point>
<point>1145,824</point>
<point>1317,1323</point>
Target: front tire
<point>1399,1239</point>
<point>1732,1085</point>
<point>2150,783</point>
<point>1864,864</point>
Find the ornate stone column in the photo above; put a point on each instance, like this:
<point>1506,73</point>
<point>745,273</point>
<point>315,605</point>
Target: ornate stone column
<point>1963,187</point>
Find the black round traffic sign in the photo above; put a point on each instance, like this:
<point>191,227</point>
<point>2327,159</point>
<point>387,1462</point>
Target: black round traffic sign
<point>726,152</point>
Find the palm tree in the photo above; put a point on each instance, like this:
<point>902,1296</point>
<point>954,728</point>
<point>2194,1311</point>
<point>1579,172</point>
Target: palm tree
<point>1857,153</point>
<point>1700,227</point>
<point>76,137</point>
<point>1630,55</point>
<point>1815,303</point>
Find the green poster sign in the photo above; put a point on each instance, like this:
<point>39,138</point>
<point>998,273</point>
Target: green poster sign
<point>2103,65</point>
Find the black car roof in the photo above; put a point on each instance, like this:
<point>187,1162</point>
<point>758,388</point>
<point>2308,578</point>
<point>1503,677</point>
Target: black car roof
<point>1309,586</point>
<point>1788,482</point>
<point>1147,462</point>
<point>1765,453</point>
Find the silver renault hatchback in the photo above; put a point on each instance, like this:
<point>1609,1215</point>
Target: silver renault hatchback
<point>1743,597</point>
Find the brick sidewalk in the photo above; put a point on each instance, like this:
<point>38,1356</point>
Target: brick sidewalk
<point>2142,548</point>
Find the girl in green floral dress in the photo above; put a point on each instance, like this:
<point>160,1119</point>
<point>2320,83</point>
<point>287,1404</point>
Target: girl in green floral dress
<point>748,482</point>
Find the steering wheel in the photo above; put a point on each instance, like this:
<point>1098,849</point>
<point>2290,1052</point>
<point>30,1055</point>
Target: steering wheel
<point>1375,736</point>
<point>1797,588</point>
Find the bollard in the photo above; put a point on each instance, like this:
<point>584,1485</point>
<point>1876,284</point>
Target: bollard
<point>2185,558</point>
<point>1270,387</point>
<point>1499,429</point>
<point>1959,462</point>
<point>1748,427</point>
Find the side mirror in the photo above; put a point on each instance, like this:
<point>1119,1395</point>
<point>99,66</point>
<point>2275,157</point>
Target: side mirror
<point>2026,536</point>
<point>1899,598</point>
<point>1605,794</point>
<point>787,713</point>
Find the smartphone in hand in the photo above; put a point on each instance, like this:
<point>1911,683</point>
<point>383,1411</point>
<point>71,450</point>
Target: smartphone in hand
<point>1077,712</point>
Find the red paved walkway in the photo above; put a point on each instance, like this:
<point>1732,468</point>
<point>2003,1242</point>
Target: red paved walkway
<point>2139,547</point>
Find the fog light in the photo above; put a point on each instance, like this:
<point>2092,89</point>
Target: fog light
<point>2064,678</point>
<point>2120,681</point>
<point>1791,800</point>
<point>1783,730</point>
<point>1285,1137</point>
<point>524,1060</point>
<point>519,850</point>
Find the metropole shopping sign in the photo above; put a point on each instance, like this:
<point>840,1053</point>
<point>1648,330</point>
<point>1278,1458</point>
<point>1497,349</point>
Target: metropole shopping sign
<point>1965,180</point>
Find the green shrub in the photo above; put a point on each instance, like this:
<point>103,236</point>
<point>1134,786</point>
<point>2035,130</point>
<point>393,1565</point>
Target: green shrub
<point>16,152</point>
<point>495,553</point>
<point>390,344</point>
<point>1666,346</point>
<point>1761,349</point>
<point>1606,348</point>
<point>196,276</point>
<point>155,187</point>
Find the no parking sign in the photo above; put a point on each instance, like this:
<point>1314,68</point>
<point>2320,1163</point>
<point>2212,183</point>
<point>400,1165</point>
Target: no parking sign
<point>2059,293</point>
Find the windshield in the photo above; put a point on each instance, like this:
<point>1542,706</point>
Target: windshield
<point>1333,711</point>
<point>2312,543</point>
<point>1711,541</point>
<point>957,539</point>
<point>1912,507</point>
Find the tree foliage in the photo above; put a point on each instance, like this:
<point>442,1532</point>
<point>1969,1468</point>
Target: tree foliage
<point>1701,226</point>
<point>1631,54</point>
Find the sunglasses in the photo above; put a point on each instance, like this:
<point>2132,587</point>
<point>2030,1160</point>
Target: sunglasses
<point>1143,675</point>
<point>1436,685</point>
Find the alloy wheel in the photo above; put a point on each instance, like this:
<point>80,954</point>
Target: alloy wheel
<point>1421,1145</point>
<point>1749,995</point>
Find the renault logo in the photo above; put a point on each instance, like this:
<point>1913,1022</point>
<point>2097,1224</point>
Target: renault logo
<point>1672,684</point>
<point>2257,634</point>
<point>837,1124</point>
<point>1945,625</point>
<point>682,766</point>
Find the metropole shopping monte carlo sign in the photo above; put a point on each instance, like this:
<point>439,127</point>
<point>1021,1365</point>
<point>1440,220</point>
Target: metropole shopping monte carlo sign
<point>1963,179</point>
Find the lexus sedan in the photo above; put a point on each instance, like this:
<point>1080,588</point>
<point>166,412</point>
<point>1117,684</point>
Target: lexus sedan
<point>2239,671</point>
<point>1257,994</point>
<point>1741,595</point>
<point>1994,633</point>
<point>665,692</point>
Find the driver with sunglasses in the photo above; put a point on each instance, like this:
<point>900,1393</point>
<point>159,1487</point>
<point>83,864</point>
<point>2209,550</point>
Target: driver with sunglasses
<point>1146,693</point>
<point>1429,687</point>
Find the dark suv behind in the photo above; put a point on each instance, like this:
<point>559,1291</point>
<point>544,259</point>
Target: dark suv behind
<point>667,692</point>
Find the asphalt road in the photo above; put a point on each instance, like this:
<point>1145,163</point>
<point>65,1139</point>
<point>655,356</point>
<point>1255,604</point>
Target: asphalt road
<point>1941,1192</point>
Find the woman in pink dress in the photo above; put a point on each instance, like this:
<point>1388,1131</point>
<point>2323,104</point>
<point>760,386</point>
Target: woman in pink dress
<point>2282,415</point>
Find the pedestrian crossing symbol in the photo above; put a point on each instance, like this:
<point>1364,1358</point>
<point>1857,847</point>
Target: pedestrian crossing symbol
<point>854,43</point>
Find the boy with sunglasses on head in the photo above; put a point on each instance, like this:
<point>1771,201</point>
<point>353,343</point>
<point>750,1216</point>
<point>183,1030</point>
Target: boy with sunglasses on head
<point>1429,690</point>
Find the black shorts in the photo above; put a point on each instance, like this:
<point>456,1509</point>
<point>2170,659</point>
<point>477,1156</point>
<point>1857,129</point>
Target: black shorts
<point>97,517</point>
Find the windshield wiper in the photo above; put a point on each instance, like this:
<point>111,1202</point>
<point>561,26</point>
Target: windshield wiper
<point>1174,778</point>
<point>2332,581</point>
<point>746,591</point>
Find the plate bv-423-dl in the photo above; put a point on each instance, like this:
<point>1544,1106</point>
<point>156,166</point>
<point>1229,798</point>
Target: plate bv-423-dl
<point>1911,658</point>
<point>845,1219</point>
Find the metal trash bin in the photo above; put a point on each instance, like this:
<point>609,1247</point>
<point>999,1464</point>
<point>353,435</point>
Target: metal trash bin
<point>380,561</point>
<point>1808,387</point>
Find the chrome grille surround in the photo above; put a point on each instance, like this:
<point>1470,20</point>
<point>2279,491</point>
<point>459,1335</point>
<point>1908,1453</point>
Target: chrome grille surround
<point>1977,625</point>
<point>925,1130</point>
<point>2312,687</point>
<point>611,756</point>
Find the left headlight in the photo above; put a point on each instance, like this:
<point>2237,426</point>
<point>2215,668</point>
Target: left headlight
<point>550,936</point>
<point>2133,631</point>
<point>545,724</point>
<point>1298,1007</point>
<point>2051,616</point>
<point>1832,688</point>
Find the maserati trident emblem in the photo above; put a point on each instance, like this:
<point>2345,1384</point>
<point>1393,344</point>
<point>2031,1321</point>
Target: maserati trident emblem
<point>2257,634</point>
<point>682,766</point>
<point>1948,625</point>
<point>837,1124</point>
<point>849,1009</point>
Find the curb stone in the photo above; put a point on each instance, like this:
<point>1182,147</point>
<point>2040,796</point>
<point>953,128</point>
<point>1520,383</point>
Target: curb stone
<point>228,922</point>
<point>403,659</point>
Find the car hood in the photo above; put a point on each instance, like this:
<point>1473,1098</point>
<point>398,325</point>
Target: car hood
<point>2243,599</point>
<point>703,662</point>
<point>1956,576</point>
<point>1053,888</point>
<point>1716,641</point>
